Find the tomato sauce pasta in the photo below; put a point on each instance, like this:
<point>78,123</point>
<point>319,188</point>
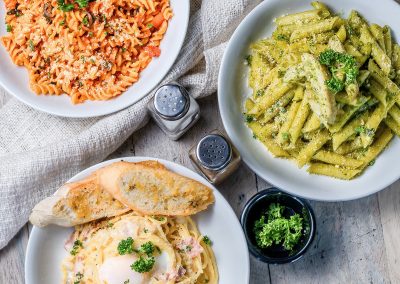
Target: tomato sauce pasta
<point>90,50</point>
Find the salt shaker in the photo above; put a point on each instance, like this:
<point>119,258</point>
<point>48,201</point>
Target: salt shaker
<point>174,110</point>
<point>215,157</point>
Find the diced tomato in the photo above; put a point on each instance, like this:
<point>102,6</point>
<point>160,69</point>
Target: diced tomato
<point>158,20</point>
<point>153,51</point>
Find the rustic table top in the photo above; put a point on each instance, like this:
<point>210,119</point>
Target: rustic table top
<point>356,241</point>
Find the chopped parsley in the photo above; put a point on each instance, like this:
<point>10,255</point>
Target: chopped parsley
<point>364,130</point>
<point>123,49</point>
<point>281,73</point>
<point>31,45</point>
<point>85,21</point>
<point>207,240</point>
<point>143,265</point>
<point>126,281</point>
<point>9,28</point>
<point>65,7</point>
<point>158,218</point>
<point>188,248</point>
<point>371,163</point>
<point>83,59</point>
<point>125,246</point>
<point>78,278</point>
<point>150,25</point>
<point>90,34</point>
<point>145,230</point>
<point>147,248</point>
<point>259,93</point>
<point>248,59</point>
<point>249,118</point>
<point>273,228</point>
<point>254,136</point>
<point>62,23</point>
<point>92,61</point>
<point>82,3</point>
<point>285,136</point>
<point>342,62</point>
<point>282,37</point>
<point>77,245</point>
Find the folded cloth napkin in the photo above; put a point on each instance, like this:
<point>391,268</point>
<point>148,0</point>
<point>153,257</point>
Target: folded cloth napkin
<point>39,152</point>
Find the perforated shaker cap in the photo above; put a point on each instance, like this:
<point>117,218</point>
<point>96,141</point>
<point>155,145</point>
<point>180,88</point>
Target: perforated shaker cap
<point>171,101</point>
<point>214,152</point>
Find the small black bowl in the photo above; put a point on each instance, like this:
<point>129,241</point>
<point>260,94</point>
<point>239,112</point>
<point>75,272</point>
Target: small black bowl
<point>258,205</point>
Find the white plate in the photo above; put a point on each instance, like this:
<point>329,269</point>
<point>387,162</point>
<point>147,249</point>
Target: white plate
<point>233,89</point>
<point>15,80</point>
<point>45,250</point>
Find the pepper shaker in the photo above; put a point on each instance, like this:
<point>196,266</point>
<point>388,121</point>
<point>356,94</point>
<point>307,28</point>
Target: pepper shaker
<point>174,110</point>
<point>215,157</point>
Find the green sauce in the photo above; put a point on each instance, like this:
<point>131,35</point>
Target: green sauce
<point>274,228</point>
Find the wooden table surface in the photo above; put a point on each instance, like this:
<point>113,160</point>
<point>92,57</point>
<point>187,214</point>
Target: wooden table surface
<point>356,241</point>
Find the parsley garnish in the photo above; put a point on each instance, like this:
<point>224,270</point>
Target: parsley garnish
<point>65,7</point>
<point>85,21</point>
<point>123,49</point>
<point>259,93</point>
<point>125,246</point>
<point>362,129</point>
<point>147,248</point>
<point>9,28</point>
<point>285,136</point>
<point>282,37</point>
<point>62,23</point>
<point>90,34</point>
<point>276,229</point>
<point>143,264</point>
<point>82,3</point>
<point>248,59</point>
<point>126,281</point>
<point>79,277</point>
<point>31,45</point>
<point>150,25</point>
<point>249,118</point>
<point>337,61</point>
<point>158,218</point>
<point>77,245</point>
<point>207,240</point>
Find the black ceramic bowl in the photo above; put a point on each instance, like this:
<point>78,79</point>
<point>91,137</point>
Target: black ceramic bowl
<point>258,205</point>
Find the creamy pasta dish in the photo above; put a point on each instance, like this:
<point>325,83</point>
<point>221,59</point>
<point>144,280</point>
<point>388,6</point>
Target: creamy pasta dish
<point>325,91</point>
<point>90,50</point>
<point>139,249</point>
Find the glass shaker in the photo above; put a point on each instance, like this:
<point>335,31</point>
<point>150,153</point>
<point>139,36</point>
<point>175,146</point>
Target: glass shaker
<point>174,110</point>
<point>215,157</point>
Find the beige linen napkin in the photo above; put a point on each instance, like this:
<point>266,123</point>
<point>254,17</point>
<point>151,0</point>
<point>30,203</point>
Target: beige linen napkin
<point>39,152</point>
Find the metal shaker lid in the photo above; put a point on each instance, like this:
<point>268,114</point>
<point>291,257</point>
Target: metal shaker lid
<point>214,152</point>
<point>171,101</point>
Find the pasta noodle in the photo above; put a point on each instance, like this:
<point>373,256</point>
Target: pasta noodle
<point>181,254</point>
<point>90,50</point>
<point>345,76</point>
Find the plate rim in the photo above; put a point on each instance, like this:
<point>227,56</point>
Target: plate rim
<point>171,166</point>
<point>112,109</point>
<point>263,173</point>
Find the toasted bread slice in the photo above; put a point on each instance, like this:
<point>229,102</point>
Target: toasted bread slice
<point>76,203</point>
<point>154,190</point>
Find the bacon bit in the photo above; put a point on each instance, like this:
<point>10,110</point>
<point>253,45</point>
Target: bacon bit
<point>190,246</point>
<point>158,20</point>
<point>153,51</point>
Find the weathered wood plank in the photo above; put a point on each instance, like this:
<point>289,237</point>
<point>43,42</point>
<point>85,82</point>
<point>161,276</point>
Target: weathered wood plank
<point>389,205</point>
<point>12,259</point>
